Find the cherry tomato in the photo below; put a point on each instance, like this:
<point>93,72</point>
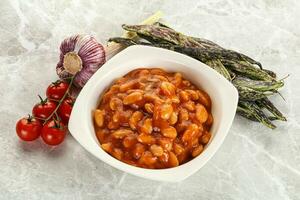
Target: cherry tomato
<point>57,90</point>
<point>53,132</point>
<point>65,109</point>
<point>28,128</point>
<point>43,109</point>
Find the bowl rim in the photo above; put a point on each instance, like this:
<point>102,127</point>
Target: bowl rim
<point>169,174</point>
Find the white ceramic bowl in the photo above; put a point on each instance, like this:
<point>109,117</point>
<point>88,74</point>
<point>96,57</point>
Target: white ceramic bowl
<point>223,95</point>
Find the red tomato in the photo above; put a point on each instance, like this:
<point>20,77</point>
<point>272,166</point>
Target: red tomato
<point>57,90</point>
<point>53,132</point>
<point>65,109</point>
<point>28,128</point>
<point>43,109</point>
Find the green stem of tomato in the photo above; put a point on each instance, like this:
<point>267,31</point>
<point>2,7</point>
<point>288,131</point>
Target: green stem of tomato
<point>43,101</point>
<point>60,101</point>
<point>29,118</point>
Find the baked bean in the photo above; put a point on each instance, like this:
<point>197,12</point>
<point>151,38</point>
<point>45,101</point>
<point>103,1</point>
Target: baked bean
<point>117,153</point>
<point>133,98</point>
<point>193,94</point>
<point>150,97</point>
<point>181,127</point>
<point>197,151</point>
<point>121,133</point>
<point>186,83</point>
<point>204,98</point>
<point>134,90</point>
<point>166,111</point>
<point>127,86</point>
<point>116,117</point>
<point>183,115</point>
<point>190,132</point>
<point>146,139</point>
<point>175,99</point>
<point>155,80</point>
<point>178,149</point>
<point>164,158</point>
<point>143,72</point>
<point>184,96</point>
<point>129,141</point>
<point>166,143</point>
<point>160,77</point>
<point>169,132</point>
<point>209,120</point>
<point>200,128</point>
<point>190,105</point>
<point>147,126</point>
<point>177,79</point>
<point>134,119</point>
<point>194,142</point>
<point>173,161</point>
<point>167,88</point>
<point>183,157</point>
<point>201,113</point>
<point>115,103</point>
<point>121,95</point>
<point>205,138</point>
<point>149,107</point>
<point>173,118</point>
<point>99,117</point>
<point>153,119</point>
<point>114,88</point>
<point>138,150</point>
<point>107,147</point>
<point>156,150</point>
<point>147,158</point>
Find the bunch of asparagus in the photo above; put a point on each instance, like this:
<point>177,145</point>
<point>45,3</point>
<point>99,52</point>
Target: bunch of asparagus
<point>253,83</point>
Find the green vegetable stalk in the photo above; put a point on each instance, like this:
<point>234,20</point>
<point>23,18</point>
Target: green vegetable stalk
<point>253,83</point>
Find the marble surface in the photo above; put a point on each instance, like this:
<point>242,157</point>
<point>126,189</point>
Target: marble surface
<point>253,163</point>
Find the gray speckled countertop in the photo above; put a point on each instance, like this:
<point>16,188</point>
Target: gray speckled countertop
<point>253,163</point>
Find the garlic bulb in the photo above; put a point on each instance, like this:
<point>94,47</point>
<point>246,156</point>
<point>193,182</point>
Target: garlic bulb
<point>80,55</point>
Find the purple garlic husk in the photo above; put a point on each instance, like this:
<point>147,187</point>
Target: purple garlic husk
<point>82,56</point>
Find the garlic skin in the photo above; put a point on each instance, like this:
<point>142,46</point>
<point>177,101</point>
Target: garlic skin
<point>80,55</point>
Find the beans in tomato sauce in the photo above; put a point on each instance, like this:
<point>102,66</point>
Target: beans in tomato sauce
<point>153,119</point>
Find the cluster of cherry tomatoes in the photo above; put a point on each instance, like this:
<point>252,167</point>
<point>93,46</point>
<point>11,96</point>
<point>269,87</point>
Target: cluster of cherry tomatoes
<point>49,117</point>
